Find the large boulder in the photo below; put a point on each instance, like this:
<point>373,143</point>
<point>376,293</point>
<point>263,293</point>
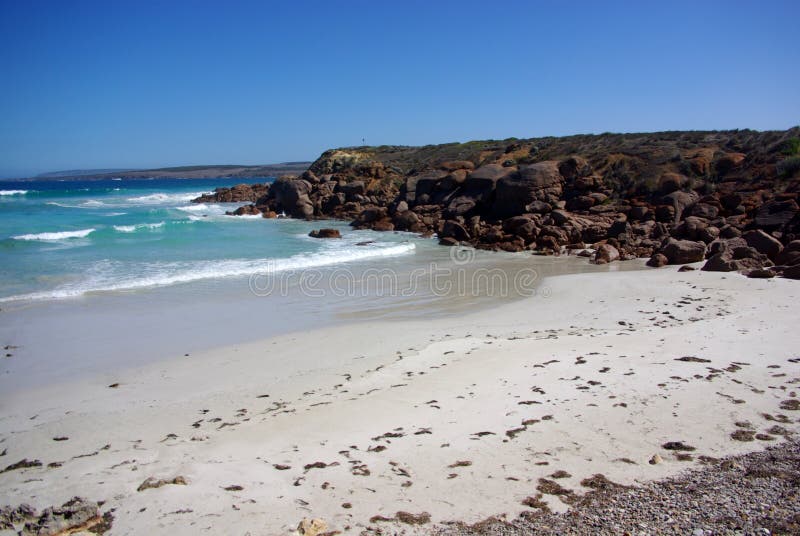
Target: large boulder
<point>352,189</point>
<point>671,182</point>
<point>731,256</point>
<point>536,182</point>
<point>291,196</point>
<point>325,233</point>
<point>486,177</point>
<point>460,206</point>
<point>680,201</point>
<point>453,229</point>
<point>775,214</point>
<point>683,251</point>
<point>606,253</point>
<point>763,243</point>
<point>790,254</point>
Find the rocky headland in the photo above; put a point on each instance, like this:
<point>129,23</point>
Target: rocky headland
<point>730,197</point>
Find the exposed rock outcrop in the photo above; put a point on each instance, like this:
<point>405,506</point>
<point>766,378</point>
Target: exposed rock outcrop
<point>673,193</point>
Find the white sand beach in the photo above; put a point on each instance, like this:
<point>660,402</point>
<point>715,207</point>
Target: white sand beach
<point>458,416</point>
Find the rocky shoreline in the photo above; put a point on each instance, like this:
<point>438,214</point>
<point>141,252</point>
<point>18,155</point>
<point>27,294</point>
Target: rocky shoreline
<point>676,197</point>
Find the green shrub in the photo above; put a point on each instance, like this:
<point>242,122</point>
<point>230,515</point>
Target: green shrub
<point>791,147</point>
<point>789,166</point>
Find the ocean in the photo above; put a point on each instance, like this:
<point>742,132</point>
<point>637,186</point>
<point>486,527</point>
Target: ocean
<point>100,276</point>
<point>61,240</point>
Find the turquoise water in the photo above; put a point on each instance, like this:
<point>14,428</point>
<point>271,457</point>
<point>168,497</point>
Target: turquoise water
<point>62,240</point>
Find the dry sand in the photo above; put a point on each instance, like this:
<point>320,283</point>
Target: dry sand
<point>456,417</point>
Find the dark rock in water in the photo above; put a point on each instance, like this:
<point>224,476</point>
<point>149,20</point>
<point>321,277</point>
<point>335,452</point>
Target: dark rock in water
<point>453,229</point>
<point>683,251</point>
<point>74,515</point>
<point>246,210</point>
<point>291,196</point>
<point>686,268</point>
<point>448,241</point>
<point>606,253</point>
<point>365,243</point>
<point>241,193</point>
<point>325,233</point>
<point>657,260</point>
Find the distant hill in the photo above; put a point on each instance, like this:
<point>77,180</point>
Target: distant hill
<point>184,172</point>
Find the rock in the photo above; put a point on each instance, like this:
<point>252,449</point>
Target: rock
<point>371,214</point>
<point>729,161</point>
<point>536,182</point>
<point>448,241</point>
<point>792,272</point>
<point>291,196</point>
<point>761,273</point>
<point>606,253</point>
<point>455,165</point>
<point>763,243</point>
<point>686,268</point>
<point>774,214</point>
<point>680,201</point>
<point>657,260</point>
<point>325,233</point>
<point>405,220</point>
<point>312,527</point>
<point>74,515</point>
<point>402,206</point>
<point>704,210</point>
<point>730,201</point>
<point>683,251</point>
<point>152,482</point>
<point>382,225</point>
<point>241,193</point>
<point>655,459</point>
<point>352,189</point>
<point>247,210</point>
<point>729,231</point>
<point>790,254</point>
<point>460,206</point>
<point>453,229</point>
<point>731,255</point>
<point>671,182</point>
<point>573,168</point>
<point>485,177</point>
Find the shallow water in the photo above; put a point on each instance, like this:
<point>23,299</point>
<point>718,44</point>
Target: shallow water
<point>158,278</point>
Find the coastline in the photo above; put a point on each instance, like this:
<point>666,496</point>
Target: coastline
<point>375,404</point>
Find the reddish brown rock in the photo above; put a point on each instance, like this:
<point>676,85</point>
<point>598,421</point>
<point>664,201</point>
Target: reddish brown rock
<point>325,233</point>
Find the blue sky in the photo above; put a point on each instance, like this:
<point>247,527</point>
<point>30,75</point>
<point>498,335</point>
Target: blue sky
<point>142,84</point>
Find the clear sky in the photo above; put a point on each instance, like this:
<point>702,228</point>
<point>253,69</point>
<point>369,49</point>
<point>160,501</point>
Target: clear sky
<point>143,83</point>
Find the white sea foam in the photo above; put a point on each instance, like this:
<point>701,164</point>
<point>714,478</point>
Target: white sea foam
<point>92,203</point>
<point>159,198</point>
<point>55,236</point>
<point>164,274</point>
<point>134,228</point>
<point>13,192</point>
